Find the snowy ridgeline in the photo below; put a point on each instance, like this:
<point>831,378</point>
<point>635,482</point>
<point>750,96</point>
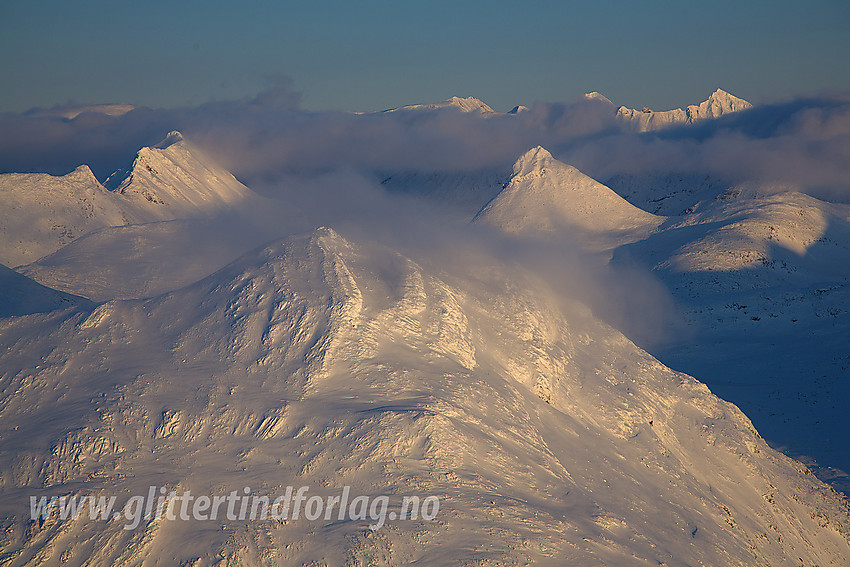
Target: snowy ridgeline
<point>169,181</point>
<point>153,359</point>
<point>719,103</point>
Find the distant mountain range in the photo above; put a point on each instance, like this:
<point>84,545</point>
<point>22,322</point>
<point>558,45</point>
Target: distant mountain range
<point>718,104</point>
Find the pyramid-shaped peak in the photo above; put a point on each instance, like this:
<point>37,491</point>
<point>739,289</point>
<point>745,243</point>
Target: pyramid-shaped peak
<point>728,99</point>
<point>533,160</point>
<point>84,173</point>
<point>721,94</point>
<point>545,196</point>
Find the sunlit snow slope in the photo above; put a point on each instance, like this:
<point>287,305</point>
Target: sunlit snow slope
<point>172,180</point>
<point>548,197</point>
<point>547,435</point>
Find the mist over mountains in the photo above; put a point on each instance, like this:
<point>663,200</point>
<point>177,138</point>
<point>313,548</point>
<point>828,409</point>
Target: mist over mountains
<point>597,335</point>
<point>259,138</point>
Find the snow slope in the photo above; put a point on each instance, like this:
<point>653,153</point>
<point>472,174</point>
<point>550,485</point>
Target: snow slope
<point>548,436</point>
<point>172,180</point>
<point>718,104</point>
<point>42,213</point>
<point>546,196</point>
<point>136,261</point>
<point>668,194</point>
<point>762,278</point>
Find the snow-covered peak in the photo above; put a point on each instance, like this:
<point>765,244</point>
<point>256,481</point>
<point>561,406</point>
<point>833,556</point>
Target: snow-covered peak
<point>718,104</point>
<point>597,96</point>
<point>342,363</point>
<point>179,180</point>
<point>84,174</point>
<point>546,196</point>
<point>468,104</point>
<point>534,160</point>
<point>173,137</point>
<point>518,109</point>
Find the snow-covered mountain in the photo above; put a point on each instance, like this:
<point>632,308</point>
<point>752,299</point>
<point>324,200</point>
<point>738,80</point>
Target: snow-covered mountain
<point>718,104</point>
<point>547,436</point>
<point>468,104</point>
<point>546,196</point>
<point>760,276</point>
<point>172,180</point>
<point>757,272</point>
<point>42,213</point>
<point>598,97</point>
<point>151,336</point>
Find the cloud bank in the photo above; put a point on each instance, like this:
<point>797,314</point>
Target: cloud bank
<point>324,168</point>
<point>804,143</point>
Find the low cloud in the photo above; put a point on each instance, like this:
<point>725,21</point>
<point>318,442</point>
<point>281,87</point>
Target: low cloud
<point>322,169</point>
<point>805,143</point>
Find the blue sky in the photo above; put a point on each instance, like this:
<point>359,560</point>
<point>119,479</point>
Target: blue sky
<point>371,55</point>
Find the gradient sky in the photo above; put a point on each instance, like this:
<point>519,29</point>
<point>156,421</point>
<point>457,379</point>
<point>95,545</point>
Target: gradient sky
<point>370,55</point>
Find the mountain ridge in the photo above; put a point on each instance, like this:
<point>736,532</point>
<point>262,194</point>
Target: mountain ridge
<point>718,104</point>
<point>170,180</point>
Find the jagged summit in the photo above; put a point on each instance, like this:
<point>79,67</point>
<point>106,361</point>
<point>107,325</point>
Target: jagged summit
<point>719,103</point>
<point>179,179</point>
<point>716,105</point>
<point>169,180</point>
